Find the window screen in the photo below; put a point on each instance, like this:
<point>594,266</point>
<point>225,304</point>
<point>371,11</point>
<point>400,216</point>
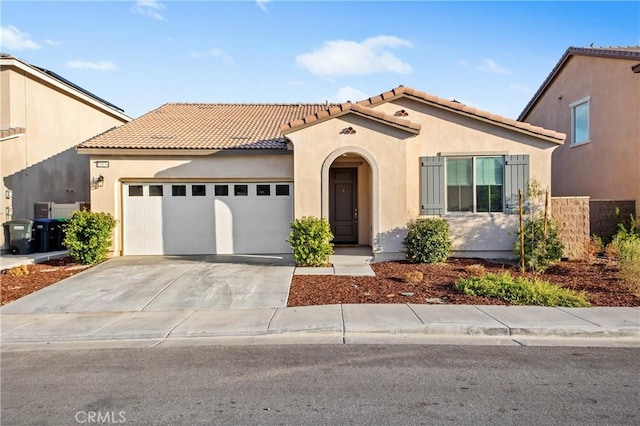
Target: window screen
<point>489,179</point>
<point>460,184</point>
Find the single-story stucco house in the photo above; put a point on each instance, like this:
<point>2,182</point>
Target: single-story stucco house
<point>229,178</point>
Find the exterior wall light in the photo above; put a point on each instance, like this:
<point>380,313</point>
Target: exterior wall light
<point>98,182</point>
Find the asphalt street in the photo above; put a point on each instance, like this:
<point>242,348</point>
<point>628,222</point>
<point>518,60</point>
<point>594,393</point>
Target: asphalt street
<point>323,384</point>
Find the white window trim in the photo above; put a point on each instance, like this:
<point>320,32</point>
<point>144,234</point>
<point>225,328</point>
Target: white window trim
<point>475,196</point>
<point>572,105</point>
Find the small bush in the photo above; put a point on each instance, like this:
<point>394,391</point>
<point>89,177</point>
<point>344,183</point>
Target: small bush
<point>475,270</point>
<point>611,252</point>
<point>310,240</point>
<point>632,232</point>
<point>428,241</point>
<point>88,236</point>
<point>594,248</point>
<point>19,271</point>
<point>540,253</point>
<point>520,291</point>
<point>626,249</point>
<point>413,277</point>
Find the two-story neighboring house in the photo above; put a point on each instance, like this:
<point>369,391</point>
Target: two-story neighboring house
<point>593,96</point>
<point>43,117</point>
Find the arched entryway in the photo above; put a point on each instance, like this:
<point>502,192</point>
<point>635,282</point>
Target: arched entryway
<point>349,196</point>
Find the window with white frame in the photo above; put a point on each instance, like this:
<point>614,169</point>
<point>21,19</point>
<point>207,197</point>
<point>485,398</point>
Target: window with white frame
<point>475,184</point>
<point>580,121</point>
<point>472,183</point>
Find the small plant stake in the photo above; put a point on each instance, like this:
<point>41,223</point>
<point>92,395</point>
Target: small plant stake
<point>521,230</point>
<point>545,222</point>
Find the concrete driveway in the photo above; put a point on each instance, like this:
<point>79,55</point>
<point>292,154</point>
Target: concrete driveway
<point>167,283</point>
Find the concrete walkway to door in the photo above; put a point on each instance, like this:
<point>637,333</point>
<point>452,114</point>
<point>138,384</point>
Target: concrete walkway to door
<point>167,283</point>
<point>346,260</point>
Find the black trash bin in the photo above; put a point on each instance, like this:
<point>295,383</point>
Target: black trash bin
<point>58,239</point>
<point>44,235</point>
<point>20,236</point>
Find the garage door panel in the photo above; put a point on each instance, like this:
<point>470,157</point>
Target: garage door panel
<point>209,224</point>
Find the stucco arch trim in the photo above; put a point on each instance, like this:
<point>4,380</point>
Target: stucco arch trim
<point>375,196</point>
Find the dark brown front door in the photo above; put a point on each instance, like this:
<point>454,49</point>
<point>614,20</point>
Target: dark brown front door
<point>343,205</point>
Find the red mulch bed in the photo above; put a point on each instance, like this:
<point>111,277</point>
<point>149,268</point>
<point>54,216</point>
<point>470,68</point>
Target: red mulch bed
<point>599,279</point>
<point>41,275</point>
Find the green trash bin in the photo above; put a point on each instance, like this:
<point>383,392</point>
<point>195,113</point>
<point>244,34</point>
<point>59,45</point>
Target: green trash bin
<point>20,236</point>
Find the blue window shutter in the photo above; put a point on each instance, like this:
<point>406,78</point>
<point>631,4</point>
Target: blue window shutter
<point>516,177</point>
<point>432,186</point>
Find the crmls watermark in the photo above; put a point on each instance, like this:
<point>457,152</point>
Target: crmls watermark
<point>100,417</point>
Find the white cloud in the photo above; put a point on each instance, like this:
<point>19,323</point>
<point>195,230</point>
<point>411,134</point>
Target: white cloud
<point>53,43</point>
<point>99,66</point>
<point>490,66</point>
<point>348,93</point>
<point>149,8</point>
<point>342,57</point>
<point>13,39</point>
<point>519,88</point>
<point>262,4</point>
<point>215,53</point>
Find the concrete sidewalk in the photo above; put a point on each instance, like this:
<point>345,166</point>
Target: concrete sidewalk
<point>8,261</point>
<point>328,324</point>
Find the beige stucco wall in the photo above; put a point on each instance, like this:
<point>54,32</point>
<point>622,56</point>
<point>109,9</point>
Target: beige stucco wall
<point>608,166</point>
<point>393,156</point>
<point>210,168</point>
<point>42,164</point>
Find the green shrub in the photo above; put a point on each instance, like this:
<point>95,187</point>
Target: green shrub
<point>520,291</point>
<point>88,236</point>
<point>626,246</point>
<point>428,240</point>
<point>632,233</point>
<point>310,240</point>
<point>540,253</point>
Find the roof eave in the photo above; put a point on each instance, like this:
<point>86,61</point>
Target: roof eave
<point>571,51</point>
<point>549,138</point>
<point>36,73</point>
<point>287,129</point>
<point>181,151</point>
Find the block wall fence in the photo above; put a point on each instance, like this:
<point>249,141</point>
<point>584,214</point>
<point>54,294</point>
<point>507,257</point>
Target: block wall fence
<point>581,217</point>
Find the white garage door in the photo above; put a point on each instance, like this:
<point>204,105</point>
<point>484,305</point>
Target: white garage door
<point>206,218</point>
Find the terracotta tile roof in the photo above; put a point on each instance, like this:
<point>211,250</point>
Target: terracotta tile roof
<point>10,131</point>
<point>461,108</point>
<point>348,107</point>
<point>622,52</point>
<point>205,126</point>
<point>260,126</point>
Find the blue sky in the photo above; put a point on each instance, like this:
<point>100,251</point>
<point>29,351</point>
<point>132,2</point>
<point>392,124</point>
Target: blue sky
<point>139,55</point>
